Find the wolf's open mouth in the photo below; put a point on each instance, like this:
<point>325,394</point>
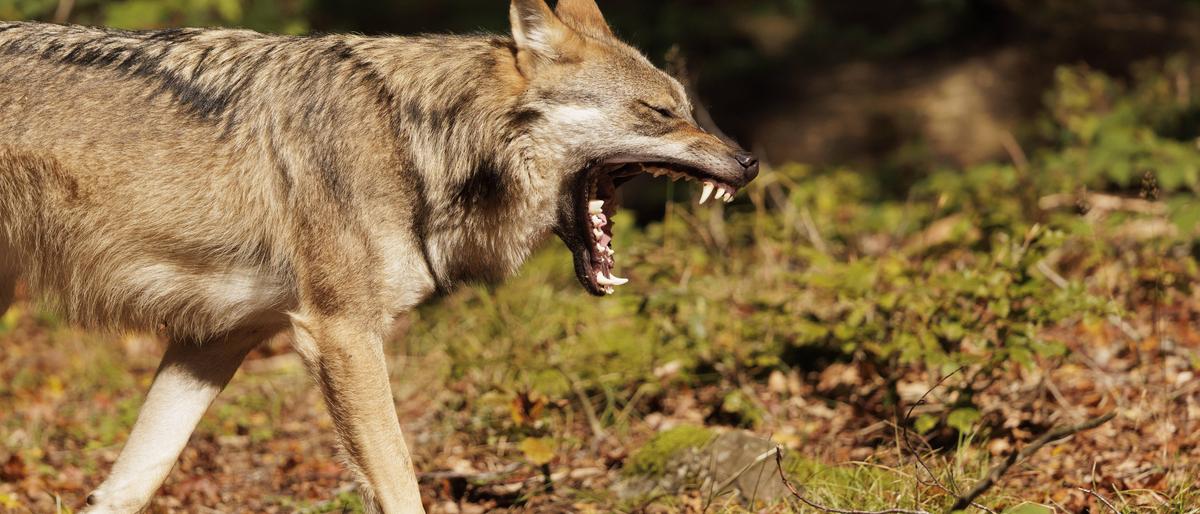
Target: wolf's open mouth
<point>598,204</point>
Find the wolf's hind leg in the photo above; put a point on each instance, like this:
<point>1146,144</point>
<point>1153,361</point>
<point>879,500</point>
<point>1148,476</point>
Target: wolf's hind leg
<point>188,380</point>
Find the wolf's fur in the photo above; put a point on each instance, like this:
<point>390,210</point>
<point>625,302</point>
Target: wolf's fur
<point>221,186</point>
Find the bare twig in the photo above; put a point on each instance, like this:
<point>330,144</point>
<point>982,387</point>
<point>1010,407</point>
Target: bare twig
<point>908,415</point>
<point>1052,275</point>
<point>757,460</point>
<point>1015,152</point>
<point>63,12</point>
<point>997,472</point>
<point>791,488</point>
<point>934,481</point>
<point>588,409</point>
<point>1101,498</point>
<point>814,235</point>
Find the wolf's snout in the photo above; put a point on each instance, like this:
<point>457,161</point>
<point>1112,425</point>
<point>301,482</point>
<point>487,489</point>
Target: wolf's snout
<point>749,162</point>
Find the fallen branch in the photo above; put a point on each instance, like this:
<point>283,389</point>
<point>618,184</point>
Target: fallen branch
<point>1102,203</point>
<point>791,488</point>
<point>472,477</point>
<point>997,472</point>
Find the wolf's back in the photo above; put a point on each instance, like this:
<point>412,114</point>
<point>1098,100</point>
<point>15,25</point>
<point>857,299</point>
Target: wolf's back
<point>132,170</point>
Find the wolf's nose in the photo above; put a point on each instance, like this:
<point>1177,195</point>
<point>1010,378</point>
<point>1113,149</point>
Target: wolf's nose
<point>750,162</point>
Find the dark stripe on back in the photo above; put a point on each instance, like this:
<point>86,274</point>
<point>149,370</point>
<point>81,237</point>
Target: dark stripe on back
<point>143,59</point>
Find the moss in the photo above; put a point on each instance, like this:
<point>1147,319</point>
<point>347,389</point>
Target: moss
<point>652,459</point>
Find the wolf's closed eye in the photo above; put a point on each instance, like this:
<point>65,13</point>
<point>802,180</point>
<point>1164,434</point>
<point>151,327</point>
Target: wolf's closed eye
<point>662,111</point>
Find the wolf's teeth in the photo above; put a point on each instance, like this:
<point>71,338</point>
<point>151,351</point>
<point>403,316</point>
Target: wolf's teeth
<point>708,190</point>
<point>597,232</point>
<point>596,207</point>
<point>720,195</point>
<point>606,280</point>
<point>610,290</point>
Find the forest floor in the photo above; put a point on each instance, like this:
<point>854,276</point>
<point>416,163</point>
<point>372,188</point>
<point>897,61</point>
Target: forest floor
<point>68,398</point>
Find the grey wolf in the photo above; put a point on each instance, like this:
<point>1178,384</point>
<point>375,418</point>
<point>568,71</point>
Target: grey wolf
<point>223,186</point>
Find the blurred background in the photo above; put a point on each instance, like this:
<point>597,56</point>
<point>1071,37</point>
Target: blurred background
<point>979,222</point>
<point>897,84</point>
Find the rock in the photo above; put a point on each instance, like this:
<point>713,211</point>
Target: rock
<point>728,460</point>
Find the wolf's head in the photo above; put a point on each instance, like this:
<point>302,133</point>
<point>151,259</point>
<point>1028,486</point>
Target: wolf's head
<point>607,114</point>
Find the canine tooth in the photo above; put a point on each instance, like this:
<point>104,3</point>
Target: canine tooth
<point>708,189</point>
<point>618,281</point>
<point>608,280</point>
<point>596,207</point>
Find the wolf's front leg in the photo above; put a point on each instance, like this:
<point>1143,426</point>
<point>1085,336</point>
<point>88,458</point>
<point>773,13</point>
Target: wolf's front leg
<point>346,356</point>
<point>189,378</point>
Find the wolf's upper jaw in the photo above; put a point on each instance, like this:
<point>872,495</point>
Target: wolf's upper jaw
<point>599,205</point>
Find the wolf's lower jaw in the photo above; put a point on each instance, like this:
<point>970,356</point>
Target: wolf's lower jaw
<point>601,206</point>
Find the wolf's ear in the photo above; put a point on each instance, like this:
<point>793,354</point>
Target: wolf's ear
<point>583,16</point>
<point>540,36</point>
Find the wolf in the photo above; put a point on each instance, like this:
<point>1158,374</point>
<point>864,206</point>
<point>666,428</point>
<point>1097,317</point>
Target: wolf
<point>220,187</point>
